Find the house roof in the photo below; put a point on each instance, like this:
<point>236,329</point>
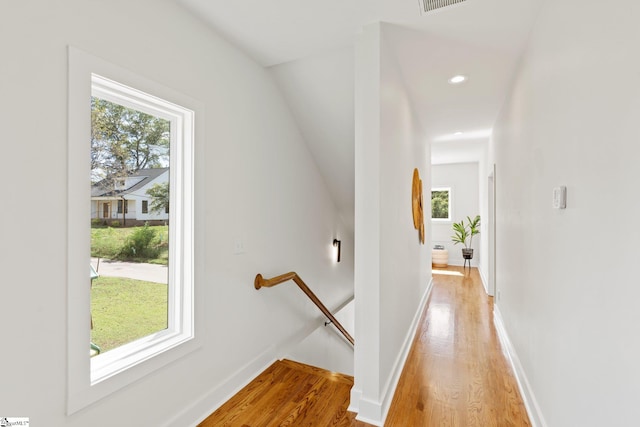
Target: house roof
<point>101,190</point>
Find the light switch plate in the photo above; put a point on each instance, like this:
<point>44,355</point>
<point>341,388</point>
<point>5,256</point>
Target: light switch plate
<point>560,197</point>
<point>238,247</point>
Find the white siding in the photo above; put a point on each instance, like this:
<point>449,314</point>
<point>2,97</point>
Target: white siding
<point>139,195</point>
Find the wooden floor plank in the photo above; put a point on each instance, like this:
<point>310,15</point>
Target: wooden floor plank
<point>332,376</point>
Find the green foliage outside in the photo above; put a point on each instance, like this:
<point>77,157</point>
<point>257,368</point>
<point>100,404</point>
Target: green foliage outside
<point>124,310</point>
<point>140,244</point>
<point>159,197</point>
<point>440,204</point>
<point>125,140</point>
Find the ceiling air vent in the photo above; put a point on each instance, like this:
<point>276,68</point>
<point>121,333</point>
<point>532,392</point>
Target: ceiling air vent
<point>429,5</point>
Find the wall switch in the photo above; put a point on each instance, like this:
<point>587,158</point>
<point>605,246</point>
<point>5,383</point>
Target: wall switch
<point>238,247</point>
<point>560,197</point>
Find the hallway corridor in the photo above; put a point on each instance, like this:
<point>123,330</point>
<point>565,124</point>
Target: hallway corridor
<point>456,373</point>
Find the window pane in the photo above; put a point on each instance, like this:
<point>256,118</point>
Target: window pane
<point>440,204</point>
<point>130,153</point>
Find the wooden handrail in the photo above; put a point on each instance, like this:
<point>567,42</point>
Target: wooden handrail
<point>261,282</point>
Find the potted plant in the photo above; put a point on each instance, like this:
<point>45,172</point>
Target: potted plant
<point>463,231</point>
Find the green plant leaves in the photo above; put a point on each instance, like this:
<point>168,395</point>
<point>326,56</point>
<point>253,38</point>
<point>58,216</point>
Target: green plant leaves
<point>463,231</point>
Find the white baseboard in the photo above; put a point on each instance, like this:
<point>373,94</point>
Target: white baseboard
<point>375,412</point>
<point>485,282</point>
<point>371,412</point>
<point>530,402</point>
<point>354,401</point>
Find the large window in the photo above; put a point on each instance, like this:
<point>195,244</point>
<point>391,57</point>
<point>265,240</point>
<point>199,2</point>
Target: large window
<point>441,204</point>
<point>135,138</point>
<point>135,142</point>
<point>130,159</point>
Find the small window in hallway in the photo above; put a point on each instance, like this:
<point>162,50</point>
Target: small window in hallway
<point>440,204</point>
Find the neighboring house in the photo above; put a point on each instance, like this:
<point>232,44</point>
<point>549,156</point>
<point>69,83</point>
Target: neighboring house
<point>129,201</point>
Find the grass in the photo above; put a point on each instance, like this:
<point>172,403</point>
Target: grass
<point>106,242</point>
<point>124,310</point>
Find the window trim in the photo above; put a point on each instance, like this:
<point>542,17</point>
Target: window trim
<point>450,212</point>
<point>143,356</point>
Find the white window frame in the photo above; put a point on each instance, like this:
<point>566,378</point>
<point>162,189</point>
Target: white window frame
<point>90,379</point>
<point>450,218</point>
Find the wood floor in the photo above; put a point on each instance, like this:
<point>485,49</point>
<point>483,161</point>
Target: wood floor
<point>456,375</point>
<point>289,394</point>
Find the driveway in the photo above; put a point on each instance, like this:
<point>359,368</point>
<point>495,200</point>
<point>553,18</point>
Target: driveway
<point>132,270</point>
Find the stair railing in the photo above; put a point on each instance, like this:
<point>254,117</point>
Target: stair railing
<point>261,282</point>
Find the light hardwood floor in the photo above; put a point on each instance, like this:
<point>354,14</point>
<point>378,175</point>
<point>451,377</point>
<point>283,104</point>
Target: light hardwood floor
<point>289,394</point>
<point>456,375</point>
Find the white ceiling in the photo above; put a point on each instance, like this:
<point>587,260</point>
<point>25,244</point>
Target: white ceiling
<point>309,49</point>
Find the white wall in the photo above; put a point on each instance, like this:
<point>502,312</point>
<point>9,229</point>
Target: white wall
<point>463,179</point>
<point>392,269</point>
<point>259,185</point>
<point>326,346</point>
<point>566,278</point>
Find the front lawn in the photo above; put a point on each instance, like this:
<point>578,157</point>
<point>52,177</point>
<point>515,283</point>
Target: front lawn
<point>124,310</point>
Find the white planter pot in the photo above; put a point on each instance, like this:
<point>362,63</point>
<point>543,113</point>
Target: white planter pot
<point>440,257</point>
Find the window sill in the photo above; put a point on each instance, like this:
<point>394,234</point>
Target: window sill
<point>113,362</point>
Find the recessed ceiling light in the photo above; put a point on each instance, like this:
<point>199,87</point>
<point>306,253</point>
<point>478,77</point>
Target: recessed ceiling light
<point>462,136</point>
<point>457,79</point>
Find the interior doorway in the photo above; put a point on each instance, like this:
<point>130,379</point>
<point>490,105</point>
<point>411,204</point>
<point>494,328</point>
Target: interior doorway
<point>491,202</point>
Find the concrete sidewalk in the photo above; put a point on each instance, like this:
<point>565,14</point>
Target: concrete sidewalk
<point>132,270</point>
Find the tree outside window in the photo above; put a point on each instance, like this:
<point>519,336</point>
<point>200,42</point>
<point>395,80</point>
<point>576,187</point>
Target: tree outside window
<point>440,203</point>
